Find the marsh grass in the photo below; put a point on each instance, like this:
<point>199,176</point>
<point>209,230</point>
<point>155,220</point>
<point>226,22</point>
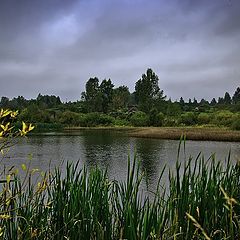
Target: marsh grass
<point>200,202</point>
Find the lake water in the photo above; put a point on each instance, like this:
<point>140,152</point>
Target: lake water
<point>111,149</point>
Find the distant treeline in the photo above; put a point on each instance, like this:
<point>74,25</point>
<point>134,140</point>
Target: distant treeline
<point>103,104</point>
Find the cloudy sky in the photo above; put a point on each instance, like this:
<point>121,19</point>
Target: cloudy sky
<point>55,46</point>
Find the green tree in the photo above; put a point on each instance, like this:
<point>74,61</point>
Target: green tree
<point>92,95</point>
<point>147,91</point>
<point>181,101</point>
<point>227,99</point>
<point>46,101</point>
<point>213,102</point>
<point>220,100</point>
<point>121,97</point>
<point>236,96</point>
<point>106,89</point>
<point>4,102</point>
<point>195,102</point>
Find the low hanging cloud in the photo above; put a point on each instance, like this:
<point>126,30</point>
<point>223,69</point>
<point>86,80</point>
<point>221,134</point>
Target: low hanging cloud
<point>54,47</point>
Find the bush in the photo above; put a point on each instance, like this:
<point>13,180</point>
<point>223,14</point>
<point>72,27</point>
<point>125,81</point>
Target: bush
<point>203,118</point>
<point>139,119</point>
<point>96,119</point>
<point>69,118</point>
<point>224,118</point>
<point>170,121</point>
<point>156,118</point>
<point>188,118</point>
<point>236,125</point>
<point>121,122</point>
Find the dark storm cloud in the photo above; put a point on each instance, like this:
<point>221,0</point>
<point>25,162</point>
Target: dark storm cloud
<point>54,46</point>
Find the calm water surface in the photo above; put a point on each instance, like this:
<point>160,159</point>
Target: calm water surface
<point>111,149</point>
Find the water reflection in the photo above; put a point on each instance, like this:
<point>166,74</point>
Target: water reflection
<point>106,149</point>
<point>149,153</point>
<point>111,150</point>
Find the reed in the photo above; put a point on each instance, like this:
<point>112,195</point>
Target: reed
<point>201,202</point>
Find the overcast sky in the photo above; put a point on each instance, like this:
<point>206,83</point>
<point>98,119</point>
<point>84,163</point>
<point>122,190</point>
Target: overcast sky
<point>55,46</point>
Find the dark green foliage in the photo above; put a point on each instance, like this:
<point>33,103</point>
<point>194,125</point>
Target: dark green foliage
<point>92,96</point>
<point>173,109</point>
<point>139,119</point>
<point>181,102</point>
<point>236,96</point>
<point>170,121</point>
<point>223,118</point>
<point>155,118</point>
<point>118,104</point>
<point>4,102</point>
<point>46,101</point>
<point>236,124</point>
<point>121,97</point>
<point>189,118</point>
<point>204,118</point>
<point>106,89</point>
<point>227,98</point>
<point>48,127</point>
<point>213,102</point>
<point>69,118</point>
<point>147,91</point>
<point>94,119</point>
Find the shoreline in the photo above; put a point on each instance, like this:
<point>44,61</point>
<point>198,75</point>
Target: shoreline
<point>171,133</point>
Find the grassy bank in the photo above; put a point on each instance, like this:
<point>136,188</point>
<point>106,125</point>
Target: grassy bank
<point>201,202</point>
<point>191,133</point>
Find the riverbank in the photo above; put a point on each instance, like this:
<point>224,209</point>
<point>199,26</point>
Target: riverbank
<point>174,133</point>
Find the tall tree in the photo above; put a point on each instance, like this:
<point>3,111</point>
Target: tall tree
<point>236,96</point>
<point>220,100</point>
<point>92,96</point>
<point>4,102</point>
<point>227,99</point>
<point>147,91</point>
<point>106,89</point>
<point>181,101</point>
<point>195,102</point>
<point>121,97</point>
<point>213,102</point>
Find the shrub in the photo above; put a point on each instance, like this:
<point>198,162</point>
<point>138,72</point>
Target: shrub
<point>121,122</point>
<point>236,124</point>
<point>156,118</point>
<point>170,121</point>
<point>139,119</point>
<point>203,118</point>
<point>224,118</point>
<point>69,118</point>
<point>95,119</point>
<point>188,118</point>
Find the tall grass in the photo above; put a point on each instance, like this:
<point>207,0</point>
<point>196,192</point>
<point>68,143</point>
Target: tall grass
<point>201,202</point>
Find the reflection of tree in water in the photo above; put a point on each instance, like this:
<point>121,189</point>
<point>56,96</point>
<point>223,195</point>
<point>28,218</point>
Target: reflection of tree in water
<point>148,151</point>
<point>98,148</point>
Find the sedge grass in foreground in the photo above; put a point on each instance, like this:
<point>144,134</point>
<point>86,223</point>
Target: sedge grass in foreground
<point>201,202</point>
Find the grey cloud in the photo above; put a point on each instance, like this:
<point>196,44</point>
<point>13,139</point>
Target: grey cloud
<point>55,46</point>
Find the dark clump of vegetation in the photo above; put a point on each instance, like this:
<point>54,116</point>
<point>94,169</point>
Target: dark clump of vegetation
<point>200,202</point>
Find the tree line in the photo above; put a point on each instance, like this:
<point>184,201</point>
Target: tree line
<point>102,104</point>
